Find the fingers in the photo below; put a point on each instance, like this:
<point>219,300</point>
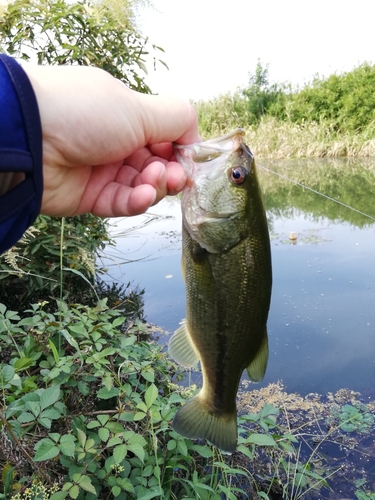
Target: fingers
<point>133,192</point>
<point>117,200</point>
<point>168,177</point>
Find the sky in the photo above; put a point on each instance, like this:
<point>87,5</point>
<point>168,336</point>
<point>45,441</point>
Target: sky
<point>211,46</point>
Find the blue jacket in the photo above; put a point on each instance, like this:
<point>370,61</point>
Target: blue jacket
<point>20,152</point>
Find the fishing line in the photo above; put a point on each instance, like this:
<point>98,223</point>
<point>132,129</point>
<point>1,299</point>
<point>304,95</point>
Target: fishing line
<point>317,192</point>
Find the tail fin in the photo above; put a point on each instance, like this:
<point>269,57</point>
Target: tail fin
<point>194,421</point>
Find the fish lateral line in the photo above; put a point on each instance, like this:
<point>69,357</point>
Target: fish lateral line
<point>316,192</point>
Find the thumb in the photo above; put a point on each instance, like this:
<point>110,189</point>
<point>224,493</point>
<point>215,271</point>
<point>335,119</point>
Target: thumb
<point>168,119</point>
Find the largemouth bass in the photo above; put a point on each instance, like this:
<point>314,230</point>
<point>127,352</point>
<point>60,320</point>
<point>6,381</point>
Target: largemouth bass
<point>226,264</point>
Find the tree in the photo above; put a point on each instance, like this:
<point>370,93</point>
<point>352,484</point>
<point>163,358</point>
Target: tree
<point>83,33</point>
<point>262,97</point>
<point>101,34</point>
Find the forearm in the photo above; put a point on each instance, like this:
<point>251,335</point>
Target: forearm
<point>21,180</point>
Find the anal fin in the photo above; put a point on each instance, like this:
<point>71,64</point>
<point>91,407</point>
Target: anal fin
<point>257,368</point>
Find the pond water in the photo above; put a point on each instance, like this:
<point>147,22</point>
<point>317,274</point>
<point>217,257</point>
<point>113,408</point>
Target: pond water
<point>322,317</point>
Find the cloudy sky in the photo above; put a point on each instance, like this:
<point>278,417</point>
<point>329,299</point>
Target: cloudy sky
<point>212,45</point>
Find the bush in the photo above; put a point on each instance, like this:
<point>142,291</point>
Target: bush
<point>85,413</point>
<point>346,102</point>
<point>100,34</point>
<point>53,253</point>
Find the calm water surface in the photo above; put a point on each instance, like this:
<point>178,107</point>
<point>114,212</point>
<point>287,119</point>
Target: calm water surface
<point>322,318</point>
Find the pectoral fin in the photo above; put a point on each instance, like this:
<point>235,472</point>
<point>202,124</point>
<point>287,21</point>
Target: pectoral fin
<point>257,368</point>
<point>181,347</point>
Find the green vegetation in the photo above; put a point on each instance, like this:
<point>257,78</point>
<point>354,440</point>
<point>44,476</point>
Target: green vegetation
<point>332,116</point>
<point>87,398</point>
<point>86,404</point>
<point>101,34</point>
<point>32,269</point>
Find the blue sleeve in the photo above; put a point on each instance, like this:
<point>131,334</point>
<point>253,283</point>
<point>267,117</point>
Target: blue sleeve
<point>20,151</point>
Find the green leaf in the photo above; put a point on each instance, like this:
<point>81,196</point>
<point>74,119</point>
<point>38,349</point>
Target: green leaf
<point>70,339</point>
<point>59,495</point>
<point>74,491</point>
<point>261,440</point>
<point>67,445</point>
<point>25,417</point>
<point>80,275</point>
<point>7,373</point>
<point>151,494</point>
<point>242,449</point>
<point>114,441</point>
<point>50,413</point>
<point>172,445</point>
<point>120,452</point>
<point>118,321</point>
<point>49,396</point>
<point>93,424</point>
<point>264,495</point>
<point>46,422</point>
<point>103,419</point>
<point>45,450</point>
<point>33,407</point>
<point>148,375</point>
<point>80,330</point>
<point>56,356</point>
<point>86,484</point>
<point>103,434</point>
<point>134,438</point>
<point>138,451</point>
<point>83,388</point>
<point>182,448</point>
<point>147,471</point>
<point>108,382</point>
<point>81,437</point>
<point>104,393</point>
<point>126,416</point>
<point>23,363</point>
<point>55,436</point>
<point>116,490</point>
<point>90,443</point>
<point>151,395</point>
<point>204,451</point>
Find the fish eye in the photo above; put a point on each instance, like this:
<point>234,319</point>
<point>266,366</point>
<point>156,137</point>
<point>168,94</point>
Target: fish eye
<point>237,175</point>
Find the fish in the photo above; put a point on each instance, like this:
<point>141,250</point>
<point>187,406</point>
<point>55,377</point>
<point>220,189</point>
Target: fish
<point>226,263</point>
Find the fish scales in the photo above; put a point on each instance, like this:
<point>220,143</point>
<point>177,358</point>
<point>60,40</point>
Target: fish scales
<point>227,269</point>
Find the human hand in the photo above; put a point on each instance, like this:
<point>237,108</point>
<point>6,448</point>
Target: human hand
<point>106,149</point>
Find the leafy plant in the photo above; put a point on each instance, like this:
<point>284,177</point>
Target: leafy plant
<point>361,492</point>
<point>353,418</point>
<point>86,410</point>
<point>33,265</point>
<point>101,34</point>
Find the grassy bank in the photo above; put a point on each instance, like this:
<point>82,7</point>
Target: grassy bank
<point>272,138</point>
<point>329,117</point>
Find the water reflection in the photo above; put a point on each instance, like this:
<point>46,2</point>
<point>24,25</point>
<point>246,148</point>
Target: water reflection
<point>322,317</point>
